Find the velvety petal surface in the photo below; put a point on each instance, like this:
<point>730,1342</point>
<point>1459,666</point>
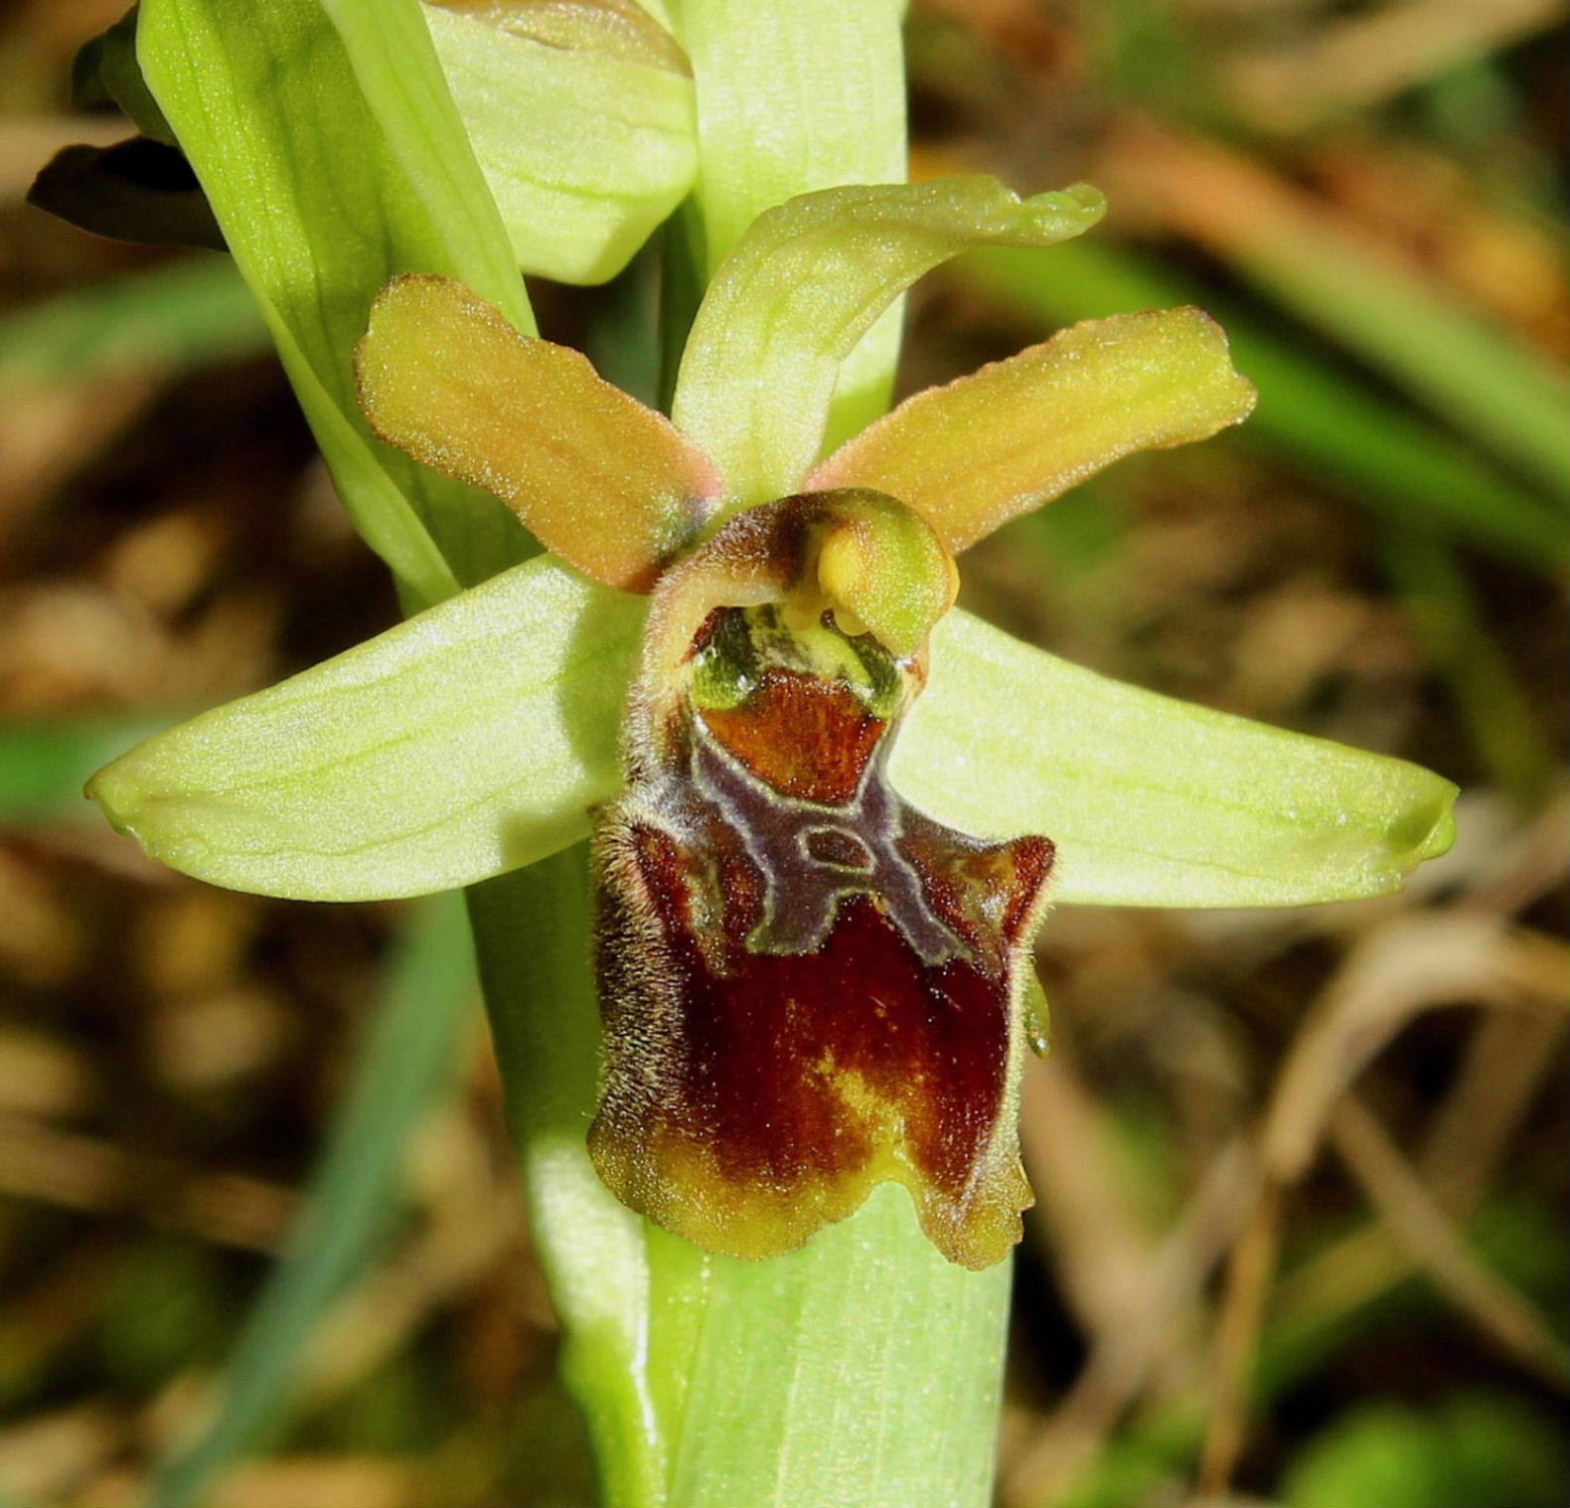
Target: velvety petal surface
<point>608,484</point>
<point>754,1096</point>
<point>801,288</point>
<point>987,447</point>
<point>809,988</point>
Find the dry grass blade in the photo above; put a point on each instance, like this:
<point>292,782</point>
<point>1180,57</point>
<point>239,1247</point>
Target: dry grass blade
<point>1368,295</point>
<point>1402,968</point>
<point>1128,1345</point>
<point>40,1161</point>
<point>1100,1248</point>
<point>1411,964</point>
<point>47,1457</point>
<point>1507,1059</point>
<point>1432,1242</point>
<point>1249,1276</point>
<point>1529,862</point>
<point>1370,56</point>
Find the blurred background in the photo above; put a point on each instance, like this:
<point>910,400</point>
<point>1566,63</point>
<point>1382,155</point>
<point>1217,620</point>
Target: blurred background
<point>1301,1233</point>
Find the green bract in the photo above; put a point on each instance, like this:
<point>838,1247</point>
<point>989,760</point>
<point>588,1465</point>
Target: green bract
<point>353,144</point>
<point>800,97</point>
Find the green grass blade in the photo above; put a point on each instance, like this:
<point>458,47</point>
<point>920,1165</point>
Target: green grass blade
<point>1486,381</point>
<point>43,766</point>
<point>405,1063</point>
<point>1506,730</point>
<point>181,317</point>
<point>1337,431</point>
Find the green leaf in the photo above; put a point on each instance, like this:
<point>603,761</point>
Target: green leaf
<point>353,1194</point>
<point>1151,801</point>
<point>328,178</point>
<point>586,152</point>
<point>805,284</point>
<point>389,47</point>
<point>467,741</point>
<point>622,29</point>
<point>794,95</point>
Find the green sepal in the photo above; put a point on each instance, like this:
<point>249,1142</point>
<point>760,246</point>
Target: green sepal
<point>1153,801</point>
<point>467,741</point>
<point>586,152</point>
<point>804,285</point>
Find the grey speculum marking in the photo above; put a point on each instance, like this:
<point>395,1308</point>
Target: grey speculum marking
<point>811,856</point>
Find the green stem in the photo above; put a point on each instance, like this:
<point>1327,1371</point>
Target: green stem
<point>531,932</point>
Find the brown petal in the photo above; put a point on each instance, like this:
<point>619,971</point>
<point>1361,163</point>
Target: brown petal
<point>609,485</point>
<point>970,456</point>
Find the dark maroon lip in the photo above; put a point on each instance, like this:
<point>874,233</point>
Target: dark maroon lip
<point>808,985</point>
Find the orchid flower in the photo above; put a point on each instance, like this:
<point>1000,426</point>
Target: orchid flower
<point>838,806</point>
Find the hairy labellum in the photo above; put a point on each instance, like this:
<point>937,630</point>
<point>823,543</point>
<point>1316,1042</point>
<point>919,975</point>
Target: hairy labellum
<point>809,987</point>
